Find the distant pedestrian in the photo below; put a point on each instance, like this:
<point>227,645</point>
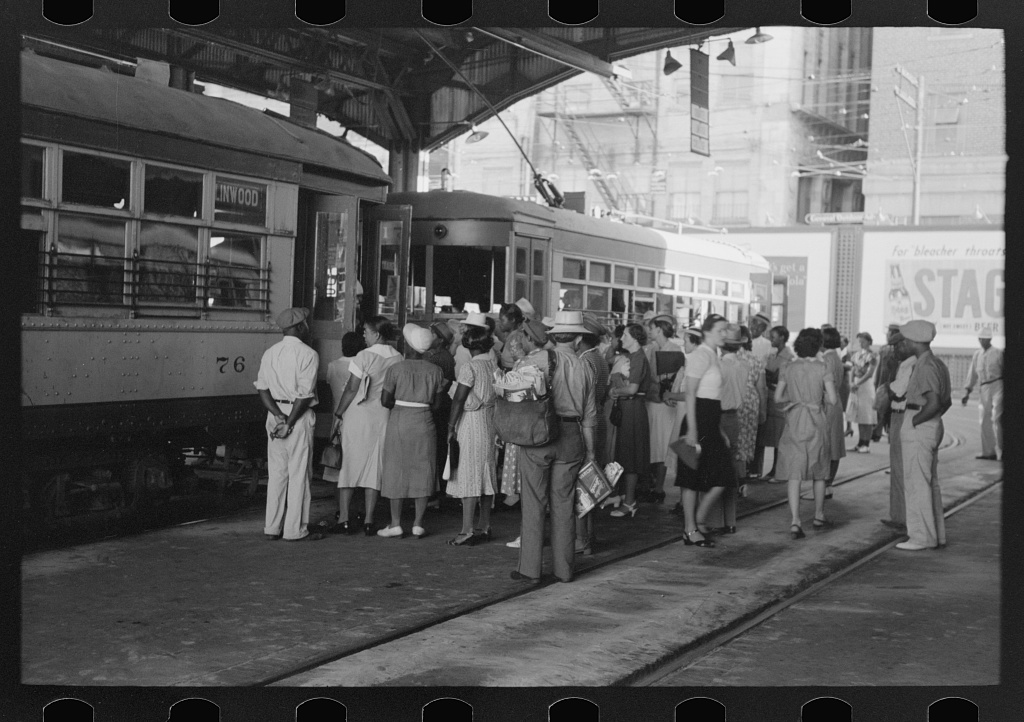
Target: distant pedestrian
<point>590,354</point>
<point>805,386</point>
<point>776,419</point>
<point>550,471</point>
<point>835,442</point>
<point>897,394</point>
<point>364,420</point>
<point>987,373</point>
<point>715,473</point>
<point>286,383</point>
<point>472,427</point>
<point>928,398</point>
<point>410,389</point>
<point>633,436</point>
<point>861,407</point>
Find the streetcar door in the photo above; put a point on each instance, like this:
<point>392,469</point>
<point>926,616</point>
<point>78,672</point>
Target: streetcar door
<point>530,271</point>
<point>387,233</point>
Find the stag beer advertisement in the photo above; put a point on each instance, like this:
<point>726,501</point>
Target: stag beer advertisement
<point>955,279</point>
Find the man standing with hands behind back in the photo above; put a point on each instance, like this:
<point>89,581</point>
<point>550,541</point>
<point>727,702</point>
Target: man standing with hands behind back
<point>287,386</point>
<point>987,372</point>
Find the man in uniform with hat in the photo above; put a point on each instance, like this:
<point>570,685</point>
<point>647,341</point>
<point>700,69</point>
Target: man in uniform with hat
<point>928,398</point>
<point>987,372</point>
<point>549,472</point>
<point>885,372</point>
<point>287,387</point>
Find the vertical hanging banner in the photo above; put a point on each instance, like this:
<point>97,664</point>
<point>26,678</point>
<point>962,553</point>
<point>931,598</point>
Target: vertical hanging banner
<point>700,138</point>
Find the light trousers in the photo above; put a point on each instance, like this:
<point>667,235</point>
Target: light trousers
<point>990,412</point>
<point>289,469</point>
<point>925,523</point>
<point>549,476</point>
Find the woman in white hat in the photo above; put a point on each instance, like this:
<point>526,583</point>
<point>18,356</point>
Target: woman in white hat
<point>410,389</point>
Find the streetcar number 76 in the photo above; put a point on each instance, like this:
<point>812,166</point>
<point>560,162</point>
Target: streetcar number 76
<point>238,365</point>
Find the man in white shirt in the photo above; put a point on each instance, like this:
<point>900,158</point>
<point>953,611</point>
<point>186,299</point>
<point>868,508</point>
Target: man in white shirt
<point>987,372</point>
<point>287,386</point>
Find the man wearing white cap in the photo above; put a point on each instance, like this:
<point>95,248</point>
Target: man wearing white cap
<point>987,372</point>
<point>928,398</point>
<point>287,387</point>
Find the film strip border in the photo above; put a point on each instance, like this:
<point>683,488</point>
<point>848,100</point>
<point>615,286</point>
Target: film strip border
<point>565,12</point>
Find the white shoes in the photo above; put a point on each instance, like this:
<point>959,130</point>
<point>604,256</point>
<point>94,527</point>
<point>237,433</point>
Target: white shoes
<point>390,531</point>
<point>911,546</point>
<point>514,544</point>
<point>419,532</point>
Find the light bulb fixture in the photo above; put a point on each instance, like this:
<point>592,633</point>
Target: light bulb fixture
<point>758,37</point>
<point>728,54</point>
<point>475,135</point>
<point>671,64</point>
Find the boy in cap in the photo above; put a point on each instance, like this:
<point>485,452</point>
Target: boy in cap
<point>287,387</point>
<point>987,372</point>
<point>928,398</point>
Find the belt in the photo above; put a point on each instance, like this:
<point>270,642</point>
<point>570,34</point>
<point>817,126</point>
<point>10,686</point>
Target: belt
<point>571,419</point>
<point>412,404</point>
<point>913,407</point>
<point>986,383</point>
<point>283,401</point>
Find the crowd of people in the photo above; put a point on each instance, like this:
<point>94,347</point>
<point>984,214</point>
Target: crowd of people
<point>420,424</point>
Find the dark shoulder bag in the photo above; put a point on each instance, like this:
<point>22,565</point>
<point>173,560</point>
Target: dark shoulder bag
<point>528,423</point>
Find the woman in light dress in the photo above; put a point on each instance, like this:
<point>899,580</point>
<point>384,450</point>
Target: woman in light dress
<point>805,385</point>
<point>364,420</point>
<point>472,425</point>
<point>692,339</point>
<point>861,407</point>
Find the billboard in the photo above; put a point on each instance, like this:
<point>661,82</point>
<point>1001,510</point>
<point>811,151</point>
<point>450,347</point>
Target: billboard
<point>953,278</point>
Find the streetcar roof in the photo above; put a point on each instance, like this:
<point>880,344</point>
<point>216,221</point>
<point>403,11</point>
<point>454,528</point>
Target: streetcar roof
<point>466,205</point>
<point>76,90</point>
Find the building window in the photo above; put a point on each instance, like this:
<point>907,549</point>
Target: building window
<point>32,171</point>
<point>574,268</point>
<point>731,196</point>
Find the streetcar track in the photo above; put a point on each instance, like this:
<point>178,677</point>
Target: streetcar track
<point>692,654</point>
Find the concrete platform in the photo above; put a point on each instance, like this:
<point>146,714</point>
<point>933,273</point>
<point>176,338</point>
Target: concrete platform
<point>213,603</point>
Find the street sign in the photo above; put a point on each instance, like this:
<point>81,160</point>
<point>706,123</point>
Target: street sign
<point>700,136</point>
<point>834,218</point>
<point>909,100</point>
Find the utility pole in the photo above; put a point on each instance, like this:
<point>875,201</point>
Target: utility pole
<point>917,104</point>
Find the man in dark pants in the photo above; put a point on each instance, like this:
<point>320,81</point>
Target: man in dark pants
<point>439,355</point>
<point>888,364</point>
<point>905,360</point>
<point>549,472</point>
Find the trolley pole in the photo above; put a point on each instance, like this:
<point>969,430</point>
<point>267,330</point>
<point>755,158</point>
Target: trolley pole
<point>919,151</point>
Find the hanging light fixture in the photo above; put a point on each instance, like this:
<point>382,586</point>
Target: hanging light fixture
<point>476,135</point>
<point>728,54</point>
<point>671,64</point>
<point>758,37</point>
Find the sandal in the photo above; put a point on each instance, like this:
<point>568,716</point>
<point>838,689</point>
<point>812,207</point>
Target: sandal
<point>462,540</point>
<point>820,523</point>
<point>798,533</point>
<point>707,543</point>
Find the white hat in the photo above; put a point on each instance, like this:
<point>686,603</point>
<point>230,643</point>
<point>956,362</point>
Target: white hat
<point>569,322</point>
<point>918,330</point>
<point>525,306</point>
<point>417,337</point>
<point>548,321</point>
<point>476,319</point>
<point>985,333</point>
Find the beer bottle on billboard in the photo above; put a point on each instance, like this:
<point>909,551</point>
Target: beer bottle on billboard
<point>900,310</point>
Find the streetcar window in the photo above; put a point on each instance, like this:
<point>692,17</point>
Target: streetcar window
<point>736,290</point>
<point>417,300</point>
<point>469,276</point>
<point>88,261</point>
<point>703,285</point>
<point>571,297</point>
<point>167,264</point>
<point>721,288</point>
<point>574,268</point>
<point>645,278</point>
<point>96,181</point>
<point>663,304</point>
<point>621,300</point>
<point>600,272</point>
<point>173,192</point>
<point>643,305</point>
<point>31,171</point>
<point>623,276</point>
<point>686,284</point>
<point>233,271</point>
<point>240,202</point>
<point>521,260</point>
<point>597,298</point>
<point>27,276</point>
<point>666,281</point>
<point>538,263</point>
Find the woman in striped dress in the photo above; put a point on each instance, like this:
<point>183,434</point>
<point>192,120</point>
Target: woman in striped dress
<point>472,425</point>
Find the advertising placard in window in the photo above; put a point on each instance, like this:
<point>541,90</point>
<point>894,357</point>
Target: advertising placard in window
<point>240,202</point>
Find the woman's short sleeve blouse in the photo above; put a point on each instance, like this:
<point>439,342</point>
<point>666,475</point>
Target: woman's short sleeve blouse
<point>703,364</point>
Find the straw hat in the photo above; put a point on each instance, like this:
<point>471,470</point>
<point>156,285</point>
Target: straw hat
<point>476,319</point>
<point>919,331</point>
<point>569,322</point>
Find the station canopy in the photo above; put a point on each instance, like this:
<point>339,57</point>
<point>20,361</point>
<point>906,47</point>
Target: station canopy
<point>390,85</point>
